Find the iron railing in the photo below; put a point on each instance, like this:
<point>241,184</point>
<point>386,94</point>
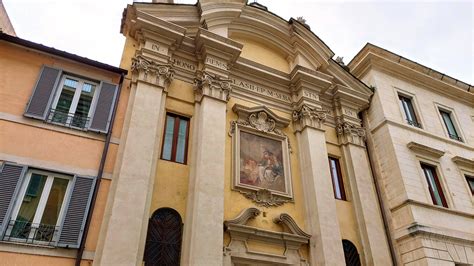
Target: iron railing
<point>414,123</point>
<point>455,137</point>
<point>67,119</point>
<point>27,232</point>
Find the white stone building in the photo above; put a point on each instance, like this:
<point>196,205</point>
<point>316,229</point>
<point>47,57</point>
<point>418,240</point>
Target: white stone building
<point>420,128</point>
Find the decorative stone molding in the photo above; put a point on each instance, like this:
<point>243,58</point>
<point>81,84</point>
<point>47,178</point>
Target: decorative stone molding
<point>213,86</point>
<point>243,217</point>
<point>288,221</point>
<point>349,132</point>
<point>239,250</point>
<point>259,118</point>
<point>463,162</point>
<point>264,197</point>
<point>149,71</point>
<point>425,150</point>
<point>308,116</point>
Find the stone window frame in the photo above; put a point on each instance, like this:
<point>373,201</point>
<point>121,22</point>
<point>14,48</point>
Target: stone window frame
<point>397,92</point>
<point>454,117</point>
<point>421,159</point>
<point>414,101</point>
<point>464,170</point>
<point>173,147</point>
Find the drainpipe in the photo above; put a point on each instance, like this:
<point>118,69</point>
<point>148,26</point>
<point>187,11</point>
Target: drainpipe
<point>80,251</point>
<point>377,186</point>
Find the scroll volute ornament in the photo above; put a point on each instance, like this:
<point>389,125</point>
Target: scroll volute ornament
<point>207,84</point>
<point>309,116</point>
<point>349,132</point>
<point>148,70</point>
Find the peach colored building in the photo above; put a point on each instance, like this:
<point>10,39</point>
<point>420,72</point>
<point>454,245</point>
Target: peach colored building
<point>56,127</point>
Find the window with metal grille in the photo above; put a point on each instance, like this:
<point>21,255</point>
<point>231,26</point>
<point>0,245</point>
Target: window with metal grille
<point>449,124</point>
<point>408,111</point>
<point>350,253</point>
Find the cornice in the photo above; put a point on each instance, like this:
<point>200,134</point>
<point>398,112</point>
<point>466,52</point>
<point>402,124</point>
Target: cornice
<point>425,150</point>
<point>463,162</point>
<point>372,60</point>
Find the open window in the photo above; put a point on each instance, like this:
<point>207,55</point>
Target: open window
<point>42,207</point>
<point>70,100</point>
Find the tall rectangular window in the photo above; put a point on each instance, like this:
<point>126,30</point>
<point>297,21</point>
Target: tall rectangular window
<point>73,105</point>
<point>450,127</point>
<point>336,177</point>
<point>409,111</point>
<point>36,216</point>
<point>470,182</point>
<point>434,185</point>
<point>175,141</point>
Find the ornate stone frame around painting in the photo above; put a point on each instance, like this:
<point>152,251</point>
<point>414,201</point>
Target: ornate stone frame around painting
<point>262,196</point>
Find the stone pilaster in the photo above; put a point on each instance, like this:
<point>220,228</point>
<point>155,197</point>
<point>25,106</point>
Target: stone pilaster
<point>202,241</point>
<point>321,214</point>
<point>368,213</point>
<point>125,222</point>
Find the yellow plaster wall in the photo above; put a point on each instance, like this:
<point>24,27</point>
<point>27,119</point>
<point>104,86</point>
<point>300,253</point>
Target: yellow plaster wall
<point>262,53</point>
<point>171,182</point>
<point>345,209</point>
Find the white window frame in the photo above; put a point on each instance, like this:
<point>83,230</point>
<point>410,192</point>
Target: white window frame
<point>75,99</point>
<point>42,203</point>
<point>454,119</point>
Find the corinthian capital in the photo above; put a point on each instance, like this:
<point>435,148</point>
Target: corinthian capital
<point>213,86</point>
<point>147,70</point>
<point>349,132</point>
<point>309,116</point>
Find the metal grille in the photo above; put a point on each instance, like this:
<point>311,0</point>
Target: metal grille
<point>27,232</point>
<point>67,119</point>
<point>163,244</point>
<point>414,123</point>
<point>350,253</point>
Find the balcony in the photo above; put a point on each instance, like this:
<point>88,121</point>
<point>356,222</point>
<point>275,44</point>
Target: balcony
<point>30,233</point>
<point>68,119</point>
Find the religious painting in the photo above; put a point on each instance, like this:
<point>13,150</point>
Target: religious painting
<point>261,162</point>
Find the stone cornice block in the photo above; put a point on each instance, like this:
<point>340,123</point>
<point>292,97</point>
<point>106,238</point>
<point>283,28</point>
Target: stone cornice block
<point>302,77</point>
<point>464,162</point>
<point>425,150</point>
<point>208,43</point>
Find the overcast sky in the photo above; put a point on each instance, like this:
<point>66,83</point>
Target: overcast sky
<point>438,34</point>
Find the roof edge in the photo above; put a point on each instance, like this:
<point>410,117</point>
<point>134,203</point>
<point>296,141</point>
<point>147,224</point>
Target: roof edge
<point>61,53</point>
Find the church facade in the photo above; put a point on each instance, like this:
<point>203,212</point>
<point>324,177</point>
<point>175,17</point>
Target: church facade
<point>230,136</point>
<point>242,128</point>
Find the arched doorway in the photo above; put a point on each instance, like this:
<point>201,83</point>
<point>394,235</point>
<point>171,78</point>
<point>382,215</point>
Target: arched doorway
<point>350,253</point>
<point>163,241</point>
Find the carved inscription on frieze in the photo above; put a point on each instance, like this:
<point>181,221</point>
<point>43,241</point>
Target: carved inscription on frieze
<point>215,62</point>
<point>184,64</point>
<point>156,47</point>
<point>260,90</point>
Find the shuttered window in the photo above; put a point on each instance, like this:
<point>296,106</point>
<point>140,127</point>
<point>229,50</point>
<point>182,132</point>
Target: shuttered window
<point>68,100</point>
<point>44,208</point>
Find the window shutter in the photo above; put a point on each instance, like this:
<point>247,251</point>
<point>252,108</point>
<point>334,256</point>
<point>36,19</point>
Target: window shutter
<point>40,100</point>
<point>73,224</point>
<point>11,176</point>
<point>103,110</point>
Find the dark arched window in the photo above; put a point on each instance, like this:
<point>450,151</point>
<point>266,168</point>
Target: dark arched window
<point>163,240</point>
<point>350,253</point>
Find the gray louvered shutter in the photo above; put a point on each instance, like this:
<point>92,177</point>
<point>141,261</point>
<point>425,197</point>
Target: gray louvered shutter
<point>11,176</point>
<point>43,92</point>
<point>73,224</point>
<point>103,110</point>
